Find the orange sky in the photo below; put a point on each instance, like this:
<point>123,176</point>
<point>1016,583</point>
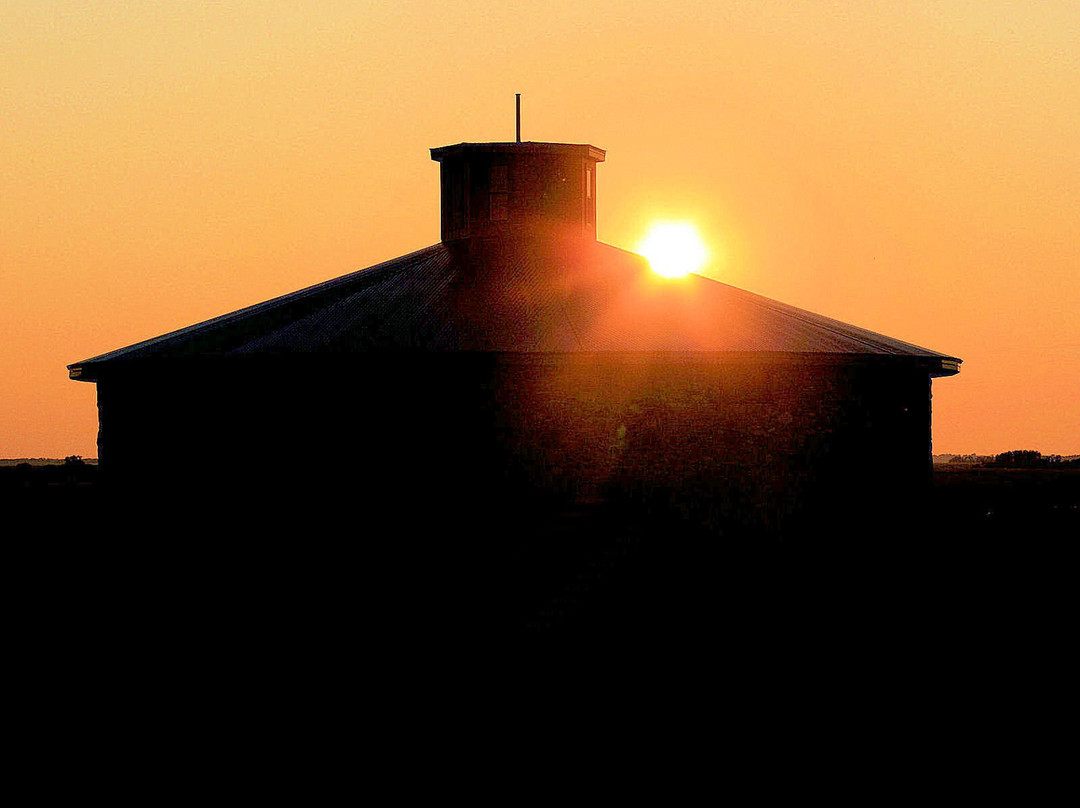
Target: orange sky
<point>912,168</point>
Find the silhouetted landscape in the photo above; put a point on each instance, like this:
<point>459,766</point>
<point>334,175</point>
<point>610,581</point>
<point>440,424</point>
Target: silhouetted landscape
<point>995,549</point>
<point>1015,496</point>
<point>430,360</point>
<point>221,611</point>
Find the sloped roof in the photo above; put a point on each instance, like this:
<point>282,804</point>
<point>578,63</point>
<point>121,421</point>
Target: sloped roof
<point>576,296</point>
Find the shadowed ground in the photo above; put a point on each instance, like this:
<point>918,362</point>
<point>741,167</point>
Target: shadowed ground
<point>185,633</point>
<point>994,549</point>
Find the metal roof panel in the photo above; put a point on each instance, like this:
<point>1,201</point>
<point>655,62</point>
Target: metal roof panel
<point>561,297</point>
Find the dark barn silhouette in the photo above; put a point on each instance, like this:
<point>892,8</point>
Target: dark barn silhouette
<point>519,425</point>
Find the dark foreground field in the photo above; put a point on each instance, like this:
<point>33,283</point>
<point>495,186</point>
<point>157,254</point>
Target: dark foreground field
<point>174,626</point>
<point>1006,504</point>
<point>1003,541</point>
<point>52,498</point>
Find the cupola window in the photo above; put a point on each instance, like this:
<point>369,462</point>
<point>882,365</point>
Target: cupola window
<point>500,192</point>
<point>590,206</point>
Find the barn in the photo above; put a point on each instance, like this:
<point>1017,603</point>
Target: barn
<point>517,388</point>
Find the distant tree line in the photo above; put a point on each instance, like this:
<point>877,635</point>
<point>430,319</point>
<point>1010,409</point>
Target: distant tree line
<point>1029,459</point>
<point>73,471</point>
<point>1016,459</point>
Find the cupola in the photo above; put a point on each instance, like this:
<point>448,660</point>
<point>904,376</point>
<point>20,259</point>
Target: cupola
<point>513,190</point>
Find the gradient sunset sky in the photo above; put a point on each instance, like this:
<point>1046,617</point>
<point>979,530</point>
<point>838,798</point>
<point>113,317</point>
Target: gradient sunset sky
<point>908,167</point>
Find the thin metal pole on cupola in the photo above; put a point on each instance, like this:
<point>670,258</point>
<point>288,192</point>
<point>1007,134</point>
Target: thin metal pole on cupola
<point>518,97</point>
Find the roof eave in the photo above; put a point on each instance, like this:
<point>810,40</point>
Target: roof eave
<point>79,373</point>
<point>582,149</point>
<point>946,366</point>
<point>937,367</point>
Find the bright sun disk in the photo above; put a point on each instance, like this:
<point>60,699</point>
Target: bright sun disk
<point>674,249</point>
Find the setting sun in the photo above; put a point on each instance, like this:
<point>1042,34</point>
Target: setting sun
<point>674,249</point>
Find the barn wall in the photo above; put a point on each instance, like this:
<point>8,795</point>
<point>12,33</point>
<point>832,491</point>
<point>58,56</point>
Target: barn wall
<point>406,498</point>
<point>738,447</point>
<point>749,447</point>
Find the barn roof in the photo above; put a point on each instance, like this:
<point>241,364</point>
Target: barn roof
<point>577,296</point>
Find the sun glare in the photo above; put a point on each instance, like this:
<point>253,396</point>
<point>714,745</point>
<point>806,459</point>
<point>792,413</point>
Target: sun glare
<point>674,249</point>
